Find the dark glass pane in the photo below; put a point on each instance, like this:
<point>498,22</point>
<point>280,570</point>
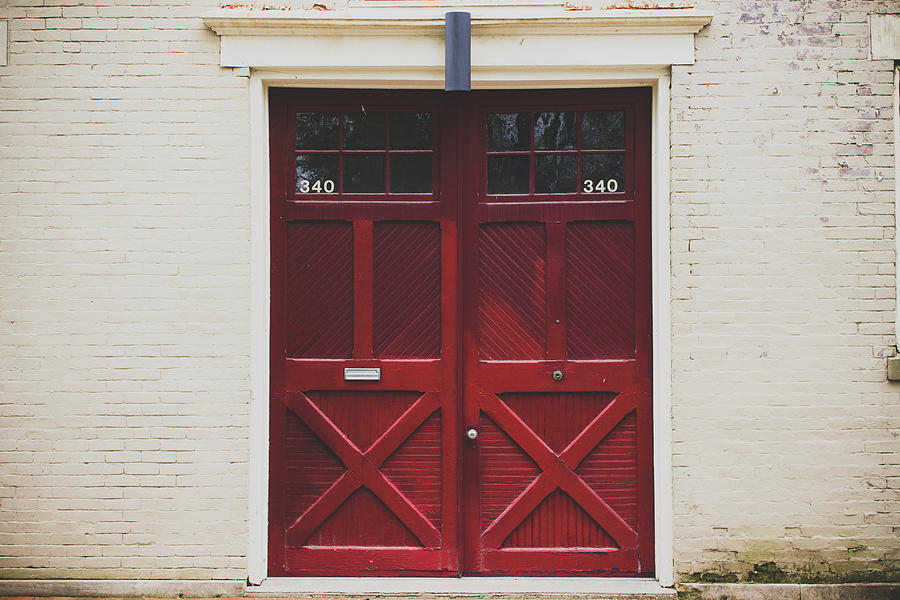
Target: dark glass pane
<point>317,173</point>
<point>364,174</point>
<point>410,173</point>
<point>555,131</point>
<point>603,130</point>
<point>555,173</point>
<point>411,131</point>
<point>509,131</point>
<point>364,131</point>
<point>603,173</point>
<point>508,174</point>
<point>317,131</point>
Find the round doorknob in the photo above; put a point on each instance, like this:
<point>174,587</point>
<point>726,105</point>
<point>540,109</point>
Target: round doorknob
<point>472,434</point>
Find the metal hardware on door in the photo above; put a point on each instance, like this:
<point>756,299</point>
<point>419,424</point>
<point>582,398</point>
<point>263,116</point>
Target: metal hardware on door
<point>472,434</point>
<point>557,375</point>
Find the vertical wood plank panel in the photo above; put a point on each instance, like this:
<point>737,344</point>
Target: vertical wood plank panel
<point>362,289</point>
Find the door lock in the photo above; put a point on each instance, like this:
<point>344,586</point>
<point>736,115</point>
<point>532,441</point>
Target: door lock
<point>472,434</point>
<point>557,375</point>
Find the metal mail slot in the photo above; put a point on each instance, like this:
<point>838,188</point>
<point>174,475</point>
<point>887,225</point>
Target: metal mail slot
<point>359,374</point>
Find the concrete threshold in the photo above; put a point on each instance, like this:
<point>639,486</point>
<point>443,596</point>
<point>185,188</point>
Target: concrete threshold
<point>462,587</point>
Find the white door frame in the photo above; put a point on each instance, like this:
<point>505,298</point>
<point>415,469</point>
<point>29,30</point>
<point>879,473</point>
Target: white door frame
<point>404,50</point>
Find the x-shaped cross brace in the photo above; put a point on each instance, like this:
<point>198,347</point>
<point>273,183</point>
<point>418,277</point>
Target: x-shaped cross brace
<point>558,471</point>
<point>363,469</point>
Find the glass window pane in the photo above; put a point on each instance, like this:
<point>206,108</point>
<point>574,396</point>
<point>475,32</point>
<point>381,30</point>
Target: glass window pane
<point>317,131</point>
<point>364,174</point>
<point>508,174</point>
<point>509,131</point>
<point>603,130</point>
<point>364,131</point>
<point>317,173</point>
<point>603,173</point>
<point>555,131</point>
<point>555,173</point>
<point>411,131</point>
<point>411,173</point>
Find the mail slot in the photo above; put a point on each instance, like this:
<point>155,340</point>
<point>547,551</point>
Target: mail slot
<point>360,374</point>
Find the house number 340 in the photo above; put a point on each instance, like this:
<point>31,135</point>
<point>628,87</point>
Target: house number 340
<point>317,186</point>
<point>600,186</point>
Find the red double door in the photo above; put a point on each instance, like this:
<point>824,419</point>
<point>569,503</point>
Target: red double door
<point>460,333</point>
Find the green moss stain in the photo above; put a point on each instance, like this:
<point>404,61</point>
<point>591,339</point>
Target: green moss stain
<point>878,571</point>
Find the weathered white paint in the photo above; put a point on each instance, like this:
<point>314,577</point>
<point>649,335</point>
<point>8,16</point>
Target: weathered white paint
<point>4,43</point>
<point>885,32</point>
<point>662,335</point>
<point>259,333</point>
<point>412,40</point>
<point>897,199</point>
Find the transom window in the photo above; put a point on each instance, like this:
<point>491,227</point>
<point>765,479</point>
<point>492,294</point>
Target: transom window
<point>364,153</point>
<point>574,152</point>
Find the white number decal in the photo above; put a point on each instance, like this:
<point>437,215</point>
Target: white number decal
<point>317,186</point>
<point>600,186</point>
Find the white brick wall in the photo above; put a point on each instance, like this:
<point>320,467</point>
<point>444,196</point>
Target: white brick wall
<point>785,430</point>
<point>124,261</point>
<point>124,273</point>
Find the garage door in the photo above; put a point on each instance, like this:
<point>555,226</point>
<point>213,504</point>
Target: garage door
<point>461,333</point>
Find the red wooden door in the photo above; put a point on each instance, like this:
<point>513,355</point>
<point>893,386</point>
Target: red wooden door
<point>383,357</point>
<point>364,433</point>
<point>557,334</point>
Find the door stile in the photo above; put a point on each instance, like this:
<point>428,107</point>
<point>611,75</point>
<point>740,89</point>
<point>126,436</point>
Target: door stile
<point>470,174</point>
<point>451,340</point>
<point>644,336</point>
<point>277,194</point>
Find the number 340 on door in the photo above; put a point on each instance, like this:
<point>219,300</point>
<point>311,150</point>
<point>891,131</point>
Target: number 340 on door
<point>600,186</point>
<point>317,186</point>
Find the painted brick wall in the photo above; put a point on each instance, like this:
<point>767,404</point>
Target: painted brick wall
<point>124,262</point>
<point>785,430</point>
<point>124,273</point>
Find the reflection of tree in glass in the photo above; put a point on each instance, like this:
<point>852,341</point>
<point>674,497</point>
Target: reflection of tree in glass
<point>316,167</point>
<point>508,174</point>
<point>603,130</point>
<point>364,174</point>
<point>603,167</point>
<point>555,174</point>
<point>364,130</point>
<point>555,131</point>
<point>410,131</point>
<point>508,131</point>
<point>317,131</point>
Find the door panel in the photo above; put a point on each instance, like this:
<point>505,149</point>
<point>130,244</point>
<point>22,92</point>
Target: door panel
<point>364,254</point>
<point>540,342</point>
<point>557,344</point>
